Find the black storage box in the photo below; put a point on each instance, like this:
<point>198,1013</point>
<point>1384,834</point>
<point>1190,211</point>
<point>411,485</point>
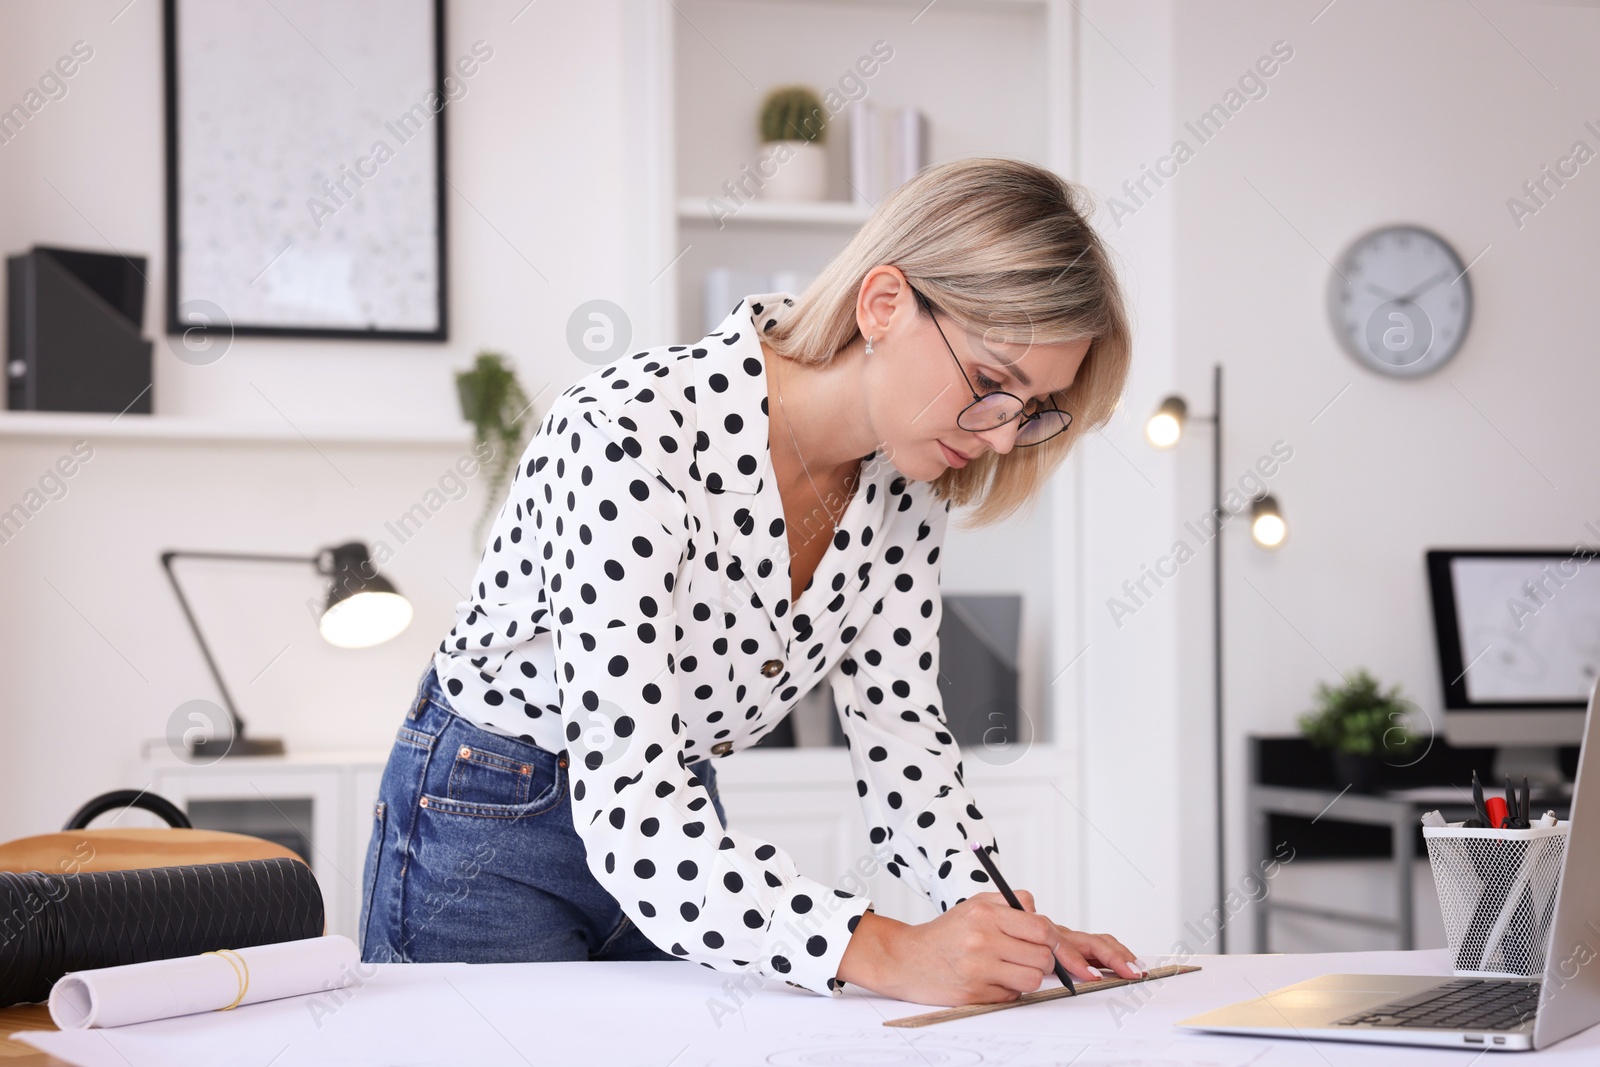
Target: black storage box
<point>73,332</point>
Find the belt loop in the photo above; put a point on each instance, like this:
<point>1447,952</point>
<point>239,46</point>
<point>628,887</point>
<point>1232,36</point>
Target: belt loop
<point>421,698</point>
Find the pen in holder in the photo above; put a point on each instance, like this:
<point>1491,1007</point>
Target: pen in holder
<point>1497,890</point>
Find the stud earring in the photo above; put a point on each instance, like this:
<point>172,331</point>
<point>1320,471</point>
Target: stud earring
<point>869,346</point>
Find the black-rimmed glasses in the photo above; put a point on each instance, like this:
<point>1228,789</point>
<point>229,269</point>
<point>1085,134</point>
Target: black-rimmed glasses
<point>990,411</point>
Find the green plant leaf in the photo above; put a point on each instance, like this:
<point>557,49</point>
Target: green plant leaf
<point>1358,718</point>
<point>494,402</point>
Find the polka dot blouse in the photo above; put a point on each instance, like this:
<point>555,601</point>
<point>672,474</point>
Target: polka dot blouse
<point>633,609</point>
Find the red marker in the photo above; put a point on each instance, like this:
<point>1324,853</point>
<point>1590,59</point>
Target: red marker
<point>1497,812</point>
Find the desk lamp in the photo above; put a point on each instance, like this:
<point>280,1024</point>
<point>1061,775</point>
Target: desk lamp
<point>361,608</point>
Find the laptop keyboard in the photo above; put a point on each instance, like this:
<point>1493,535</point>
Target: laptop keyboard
<point>1466,1004</point>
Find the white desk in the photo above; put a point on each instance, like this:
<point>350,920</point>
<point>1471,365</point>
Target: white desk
<point>658,1013</point>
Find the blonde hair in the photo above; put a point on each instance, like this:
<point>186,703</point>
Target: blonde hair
<point>997,244</point>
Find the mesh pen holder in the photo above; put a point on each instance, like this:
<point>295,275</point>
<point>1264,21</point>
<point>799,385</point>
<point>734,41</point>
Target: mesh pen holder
<point>1497,890</point>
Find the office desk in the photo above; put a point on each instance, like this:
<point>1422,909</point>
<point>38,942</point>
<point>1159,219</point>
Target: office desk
<point>512,1015</point>
<point>1289,778</point>
<point>1401,816</point>
<point>1401,813</point>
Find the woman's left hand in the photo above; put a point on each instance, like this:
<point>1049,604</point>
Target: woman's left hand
<point>1078,951</point>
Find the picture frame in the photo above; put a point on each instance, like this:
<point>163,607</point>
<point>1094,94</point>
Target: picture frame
<point>305,168</point>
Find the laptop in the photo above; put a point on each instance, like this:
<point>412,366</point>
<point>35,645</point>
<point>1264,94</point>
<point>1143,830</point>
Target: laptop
<point>1494,1014</point>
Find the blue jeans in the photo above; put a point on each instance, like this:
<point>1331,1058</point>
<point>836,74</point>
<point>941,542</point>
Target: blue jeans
<point>473,856</point>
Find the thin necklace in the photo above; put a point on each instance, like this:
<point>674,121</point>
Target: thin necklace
<point>803,466</point>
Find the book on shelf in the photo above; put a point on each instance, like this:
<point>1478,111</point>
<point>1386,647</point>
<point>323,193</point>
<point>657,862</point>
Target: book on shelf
<point>888,146</point>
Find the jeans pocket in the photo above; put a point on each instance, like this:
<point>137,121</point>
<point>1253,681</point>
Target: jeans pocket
<point>483,777</point>
<point>516,782</point>
<point>370,869</point>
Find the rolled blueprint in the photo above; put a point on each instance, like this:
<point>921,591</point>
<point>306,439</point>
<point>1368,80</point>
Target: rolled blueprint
<point>212,981</point>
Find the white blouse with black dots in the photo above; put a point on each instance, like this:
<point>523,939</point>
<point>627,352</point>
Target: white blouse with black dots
<point>632,608</point>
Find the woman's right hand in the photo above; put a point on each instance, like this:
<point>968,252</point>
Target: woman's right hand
<point>979,952</point>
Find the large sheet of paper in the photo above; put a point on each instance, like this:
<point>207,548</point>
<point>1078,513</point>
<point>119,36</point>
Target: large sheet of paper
<point>674,1014</point>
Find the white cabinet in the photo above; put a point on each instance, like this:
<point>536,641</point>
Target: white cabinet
<point>319,804</point>
<point>804,800</point>
<point>992,78</point>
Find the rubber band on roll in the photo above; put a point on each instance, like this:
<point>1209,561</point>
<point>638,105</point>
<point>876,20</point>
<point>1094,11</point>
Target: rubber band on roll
<point>241,971</point>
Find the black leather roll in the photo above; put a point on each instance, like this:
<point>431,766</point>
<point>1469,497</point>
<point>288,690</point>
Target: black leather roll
<point>54,923</point>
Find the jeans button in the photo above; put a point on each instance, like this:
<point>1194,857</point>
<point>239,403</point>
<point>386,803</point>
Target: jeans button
<point>772,667</point>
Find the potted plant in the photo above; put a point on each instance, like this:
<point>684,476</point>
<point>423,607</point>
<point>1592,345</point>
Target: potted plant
<point>1359,725</point>
<point>793,164</point>
<point>493,401</point>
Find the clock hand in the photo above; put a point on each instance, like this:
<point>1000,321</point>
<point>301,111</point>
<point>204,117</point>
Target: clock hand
<point>1425,286</point>
<point>1381,291</point>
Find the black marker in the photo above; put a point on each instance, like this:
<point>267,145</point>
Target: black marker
<point>1011,898</point>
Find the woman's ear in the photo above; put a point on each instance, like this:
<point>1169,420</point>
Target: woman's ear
<point>881,290</point>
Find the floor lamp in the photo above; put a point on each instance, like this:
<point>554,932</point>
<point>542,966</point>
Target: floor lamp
<point>360,608</point>
<point>1267,529</point>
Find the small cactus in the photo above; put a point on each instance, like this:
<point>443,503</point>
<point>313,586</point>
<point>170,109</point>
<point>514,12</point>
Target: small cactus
<point>793,113</point>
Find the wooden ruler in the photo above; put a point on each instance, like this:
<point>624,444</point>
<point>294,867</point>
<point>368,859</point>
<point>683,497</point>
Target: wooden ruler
<point>946,1014</point>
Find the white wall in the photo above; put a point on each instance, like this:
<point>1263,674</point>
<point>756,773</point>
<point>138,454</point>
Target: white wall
<point>1136,757</point>
<point>1426,112</point>
<point>535,161</point>
<point>96,665</point>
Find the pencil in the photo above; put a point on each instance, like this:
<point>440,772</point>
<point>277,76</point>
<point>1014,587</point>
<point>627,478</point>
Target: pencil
<point>1011,898</point>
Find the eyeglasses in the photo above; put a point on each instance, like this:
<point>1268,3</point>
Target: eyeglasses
<point>990,411</point>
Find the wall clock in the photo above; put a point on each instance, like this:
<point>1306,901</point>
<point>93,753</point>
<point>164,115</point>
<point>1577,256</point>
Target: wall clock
<point>1400,301</point>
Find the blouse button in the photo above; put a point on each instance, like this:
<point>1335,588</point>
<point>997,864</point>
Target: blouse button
<point>772,667</point>
<point>722,748</point>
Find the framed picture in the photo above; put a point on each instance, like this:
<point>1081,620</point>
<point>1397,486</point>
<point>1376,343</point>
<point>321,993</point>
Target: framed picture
<point>305,168</point>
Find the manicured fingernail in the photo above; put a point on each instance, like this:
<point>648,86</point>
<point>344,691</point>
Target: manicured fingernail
<point>1096,972</point>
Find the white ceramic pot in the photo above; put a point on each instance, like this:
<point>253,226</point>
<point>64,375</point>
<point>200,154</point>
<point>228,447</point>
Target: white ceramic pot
<point>792,170</point>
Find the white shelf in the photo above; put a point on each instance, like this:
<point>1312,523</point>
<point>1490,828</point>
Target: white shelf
<point>780,212</point>
<point>155,754</point>
<point>54,424</point>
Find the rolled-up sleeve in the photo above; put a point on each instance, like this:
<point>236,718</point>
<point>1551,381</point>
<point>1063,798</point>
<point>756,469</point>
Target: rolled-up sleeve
<point>906,762</point>
<point>613,542</point>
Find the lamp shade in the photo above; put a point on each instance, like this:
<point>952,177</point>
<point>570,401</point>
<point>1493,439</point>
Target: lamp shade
<point>1166,425</point>
<point>1266,522</point>
<point>363,607</point>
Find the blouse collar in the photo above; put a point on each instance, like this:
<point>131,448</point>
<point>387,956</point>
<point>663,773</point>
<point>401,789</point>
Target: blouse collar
<point>733,352</point>
<point>734,361</point>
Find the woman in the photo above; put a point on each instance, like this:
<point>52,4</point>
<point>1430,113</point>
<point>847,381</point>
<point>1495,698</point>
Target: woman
<point>680,560</point>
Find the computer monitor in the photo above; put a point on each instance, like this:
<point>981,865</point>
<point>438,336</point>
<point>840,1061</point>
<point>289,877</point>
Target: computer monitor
<point>980,688</point>
<point>980,681</point>
<point>1518,634</point>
